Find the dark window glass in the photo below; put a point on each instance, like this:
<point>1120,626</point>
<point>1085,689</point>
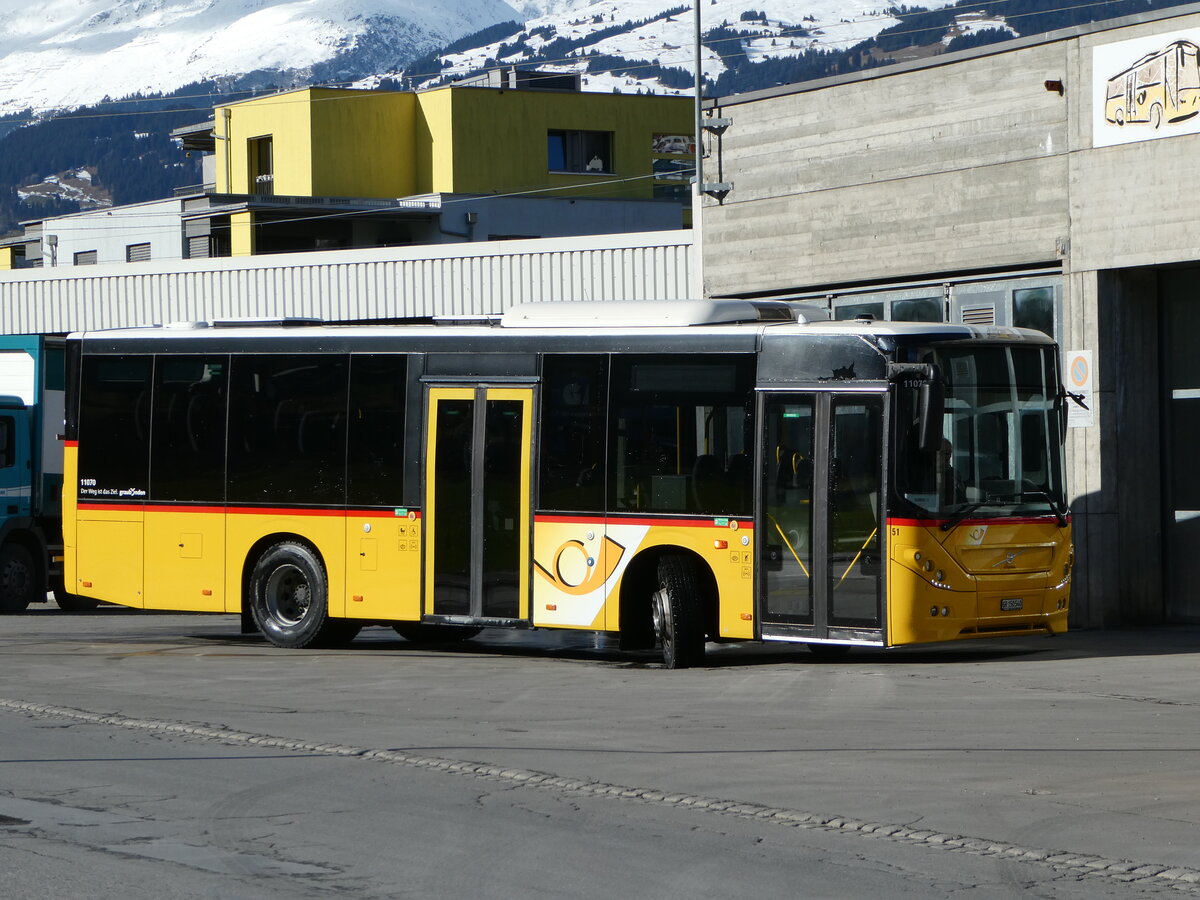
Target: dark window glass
<point>574,402</point>
<point>1034,308</point>
<point>452,526</point>
<point>503,462</point>
<point>7,434</point>
<point>853,310</point>
<point>187,447</point>
<point>682,434</point>
<point>855,482</point>
<point>925,309</point>
<point>375,462</point>
<point>787,488</point>
<point>579,151</point>
<point>54,368</point>
<point>287,429</point>
<point>114,427</point>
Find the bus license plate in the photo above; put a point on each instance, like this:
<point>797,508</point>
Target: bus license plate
<point>1008,604</point>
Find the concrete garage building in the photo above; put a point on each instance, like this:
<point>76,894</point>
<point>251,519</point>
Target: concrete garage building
<point>1051,182</point>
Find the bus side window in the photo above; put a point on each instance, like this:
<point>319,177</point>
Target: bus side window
<point>681,434</point>
<point>287,428</point>
<point>187,453</point>
<point>574,407</point>
<point>375,465</point>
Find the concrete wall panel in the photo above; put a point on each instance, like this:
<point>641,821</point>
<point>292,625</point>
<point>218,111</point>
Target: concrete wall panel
<point>1004,215</point>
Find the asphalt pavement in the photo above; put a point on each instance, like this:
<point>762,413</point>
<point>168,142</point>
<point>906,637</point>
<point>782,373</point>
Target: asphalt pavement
<point>551,764</point>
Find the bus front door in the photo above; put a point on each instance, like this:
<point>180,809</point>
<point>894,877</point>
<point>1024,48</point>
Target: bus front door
<point>822,493</point>
<point>477,502</point>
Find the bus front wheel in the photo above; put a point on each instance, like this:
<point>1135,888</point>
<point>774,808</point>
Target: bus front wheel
<point>289,599</point>
<point>678,613</point>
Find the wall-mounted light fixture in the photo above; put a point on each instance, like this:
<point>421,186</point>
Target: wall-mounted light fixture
<point>1055,85</point>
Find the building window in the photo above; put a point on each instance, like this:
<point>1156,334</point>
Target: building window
<point>137,252</point>
<point>904,309</point>
<point>1034,308</point>
<point>261,166</point>
<point>579,151</point>
<point>85,258</point>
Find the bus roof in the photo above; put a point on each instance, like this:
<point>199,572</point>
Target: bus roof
<point>599,318</point>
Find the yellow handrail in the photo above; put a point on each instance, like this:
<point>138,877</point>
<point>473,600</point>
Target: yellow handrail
<point>870,538</point>
<point>795,555</point>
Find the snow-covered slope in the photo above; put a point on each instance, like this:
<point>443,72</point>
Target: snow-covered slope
<point>62,53</point>
<point>785,28</point>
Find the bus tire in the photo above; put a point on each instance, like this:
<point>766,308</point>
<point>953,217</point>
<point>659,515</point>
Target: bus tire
<point>678,613</point>
<point>418,632</point>
<point>69,602</point>
<point>289,599</point>
<point>18,579</point>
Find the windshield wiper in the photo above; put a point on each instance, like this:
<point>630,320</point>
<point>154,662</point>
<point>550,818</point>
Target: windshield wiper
<point>1059,515</point>
<point>963,513</point>
<point>959,514</point>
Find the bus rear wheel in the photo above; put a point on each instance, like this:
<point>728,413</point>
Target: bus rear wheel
<point>289,599</point>
<point>18,579</point>
<point>678,615</point>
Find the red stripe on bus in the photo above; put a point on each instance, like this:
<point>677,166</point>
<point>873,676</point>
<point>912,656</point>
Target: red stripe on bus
<point>709,522</point>
<point>243,510</point>
<point>935,523</point>
<point>636,520</point>
<point>70,443</point>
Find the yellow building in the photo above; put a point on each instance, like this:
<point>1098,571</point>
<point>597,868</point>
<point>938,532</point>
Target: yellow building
<point>331,143</point>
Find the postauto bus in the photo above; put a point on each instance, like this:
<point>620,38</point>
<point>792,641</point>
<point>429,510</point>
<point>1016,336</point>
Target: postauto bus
<point>670,472</point>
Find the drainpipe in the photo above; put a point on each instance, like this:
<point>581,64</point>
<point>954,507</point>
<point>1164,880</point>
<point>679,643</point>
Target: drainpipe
<point>227,115</point>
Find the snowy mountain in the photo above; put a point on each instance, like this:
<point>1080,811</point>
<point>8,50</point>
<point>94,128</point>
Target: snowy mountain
<point>65,53</point>
<point>653,34</point>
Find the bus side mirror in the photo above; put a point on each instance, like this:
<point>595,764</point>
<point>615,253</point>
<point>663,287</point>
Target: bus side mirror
<point>931,406</point>
<point>926,378</point>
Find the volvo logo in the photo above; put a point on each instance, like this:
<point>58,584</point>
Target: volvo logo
<point>1009,559</point>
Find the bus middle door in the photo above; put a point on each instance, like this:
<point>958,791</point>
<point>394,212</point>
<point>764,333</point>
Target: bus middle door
<point>478,507</point>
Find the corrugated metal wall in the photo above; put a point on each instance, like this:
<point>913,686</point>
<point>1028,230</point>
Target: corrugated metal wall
<point>441,280</point>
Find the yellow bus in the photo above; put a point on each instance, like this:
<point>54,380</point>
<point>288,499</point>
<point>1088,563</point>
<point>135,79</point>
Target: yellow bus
<point>702,471</point>
<point>1163,86</point>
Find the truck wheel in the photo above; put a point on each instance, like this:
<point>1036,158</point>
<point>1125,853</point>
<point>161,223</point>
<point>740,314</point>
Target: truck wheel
<point>678,616</point>
<point>18,579</point>
<point>289,599</point>
<point>73,602</point>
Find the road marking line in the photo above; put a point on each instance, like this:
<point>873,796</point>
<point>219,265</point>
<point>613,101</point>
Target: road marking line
<point>1122,870</point>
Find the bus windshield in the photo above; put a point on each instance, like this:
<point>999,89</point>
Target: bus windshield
<point>1001,448</point>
